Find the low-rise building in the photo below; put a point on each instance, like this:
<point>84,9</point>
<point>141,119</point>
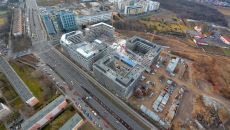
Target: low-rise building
<point>17,22</point>
<point>90,16</point>
<point>73,123</point>
<point>133,7</point>
<point>118,73</point>
<point>225,39</point>
<point>46,114</point>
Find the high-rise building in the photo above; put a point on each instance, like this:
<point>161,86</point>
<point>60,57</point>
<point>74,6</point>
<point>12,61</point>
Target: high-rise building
<point>66,21</point>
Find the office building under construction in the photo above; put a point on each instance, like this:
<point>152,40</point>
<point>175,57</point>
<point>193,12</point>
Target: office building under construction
<point>84,47</point>
<point>118,73</point>
<point>143,51</point>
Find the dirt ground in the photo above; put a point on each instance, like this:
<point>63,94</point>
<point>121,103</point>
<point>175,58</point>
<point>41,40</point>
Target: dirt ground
<point>206,75</point>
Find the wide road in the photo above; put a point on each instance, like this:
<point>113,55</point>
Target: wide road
<point>72,76</point>
<point>35,24</point>
<point>116,116</point>
<point>75,79</point>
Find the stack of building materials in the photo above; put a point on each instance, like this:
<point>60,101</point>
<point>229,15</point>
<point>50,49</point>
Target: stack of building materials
<point>49,112</point>
<point>161,101</point>
<point>154,116</point>
<point>174,107</point>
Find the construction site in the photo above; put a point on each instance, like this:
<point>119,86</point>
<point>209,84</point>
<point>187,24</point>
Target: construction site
<point>181,73</point>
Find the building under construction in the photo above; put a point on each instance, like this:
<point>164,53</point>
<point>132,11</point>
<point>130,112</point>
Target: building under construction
<point>143,51</point>
<point>84,47</point>
<point>118,73</point>
<point>17,22</point>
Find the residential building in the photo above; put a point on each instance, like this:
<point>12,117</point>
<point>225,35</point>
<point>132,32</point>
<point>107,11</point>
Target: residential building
<point>225,39</point>
<point>17,22</point>
<point>143,51</point>
<point>66,21</point>
<point>133,10</point>
<point>19,86</point>
<point>73,123</point>
<point>118,73</point>
<point>4,111</point>
<point>46,114</point>
<point>133,7</point>
<point>90,16</point>
<point>84,47</point>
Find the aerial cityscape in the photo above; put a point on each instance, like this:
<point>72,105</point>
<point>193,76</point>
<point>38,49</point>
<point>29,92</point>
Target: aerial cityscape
<point>115,65</point>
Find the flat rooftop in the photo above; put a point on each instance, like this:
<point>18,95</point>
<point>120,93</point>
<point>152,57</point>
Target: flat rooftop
<point>120,67</point>
<point>40,116</point>
<point>19,86</point>
<point>142,50</point>
<point>90,12</point>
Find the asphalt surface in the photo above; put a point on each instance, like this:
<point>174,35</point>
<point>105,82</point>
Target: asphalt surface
<point>37,31</point>
<point>74,96</point>
<point>74,77</point>
<point>113,114</point>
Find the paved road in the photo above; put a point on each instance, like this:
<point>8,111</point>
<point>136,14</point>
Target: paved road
<point>37,30</point>
<point>72,76</point>
<point>113,113</point>
<point>74,96</point>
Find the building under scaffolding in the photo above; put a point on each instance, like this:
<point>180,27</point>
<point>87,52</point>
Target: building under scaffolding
<point>118,73</point>
<point>143,51</point>
<point>84,47</point>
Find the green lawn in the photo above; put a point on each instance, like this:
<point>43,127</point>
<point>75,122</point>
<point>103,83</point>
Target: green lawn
<point>227,52</point>
<point>160,26</point>
<point>61,119</point>
<point>9,93</point>
<point>2,127</point>
<point>25,73</point>
<point>88,126</point>
<point>17,103</point>
<point>7,89</point>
